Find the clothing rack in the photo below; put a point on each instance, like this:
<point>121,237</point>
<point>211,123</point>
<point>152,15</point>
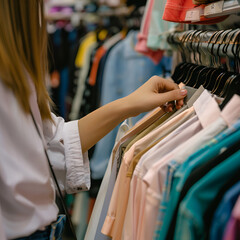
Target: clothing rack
<point>216,43</point>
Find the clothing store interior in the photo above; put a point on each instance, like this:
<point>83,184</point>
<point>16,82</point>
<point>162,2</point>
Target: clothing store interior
<point>159,175</point>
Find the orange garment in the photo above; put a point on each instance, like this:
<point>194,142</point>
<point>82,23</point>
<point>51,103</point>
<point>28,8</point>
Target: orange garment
<point>55,79</point>
<point>93,74</point>
<point>90,208</point>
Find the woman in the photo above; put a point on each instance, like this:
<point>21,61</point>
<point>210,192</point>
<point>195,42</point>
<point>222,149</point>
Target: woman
<point>27,200</point>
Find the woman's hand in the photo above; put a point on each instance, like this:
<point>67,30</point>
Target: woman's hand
<point>156,92</point>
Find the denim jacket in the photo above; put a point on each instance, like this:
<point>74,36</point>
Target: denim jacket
<point>125,70</point>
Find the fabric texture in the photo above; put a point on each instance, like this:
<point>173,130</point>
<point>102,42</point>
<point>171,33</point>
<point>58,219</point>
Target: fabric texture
<point>158,28</point>
<point>141,46</point>
<point>29,192</point>
<point>116,161</point>
<point>92,226</point>
<point>100,53</point>
<point>114,221</point>
<point>117,205</point>
<point>182,181</point>
<point>226,111</point>
<point>175,11</point>
<point>77,101</point>
<point>153,182</point>
<point>88,40</point>
<point>149,129</point>
<point>223,212</point>
<point>139,172</point>
<point>130,71</point>
<point>93,73</point>
<point>184,171</point>
<point>189,224</point>
<point>232,231</point>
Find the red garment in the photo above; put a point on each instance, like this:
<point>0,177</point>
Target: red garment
<point>175,11</point>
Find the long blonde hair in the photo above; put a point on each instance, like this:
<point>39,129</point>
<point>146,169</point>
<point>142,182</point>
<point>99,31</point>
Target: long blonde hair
<point>23,51</point>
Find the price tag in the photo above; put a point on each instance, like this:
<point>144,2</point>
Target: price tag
<point>193,15</point>
<point>213,8</point>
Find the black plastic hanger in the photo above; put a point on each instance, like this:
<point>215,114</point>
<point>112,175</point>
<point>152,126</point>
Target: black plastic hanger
<point>234,88</point>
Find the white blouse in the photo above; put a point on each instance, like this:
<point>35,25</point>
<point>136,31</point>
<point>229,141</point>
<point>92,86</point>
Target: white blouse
<point>27,199</point>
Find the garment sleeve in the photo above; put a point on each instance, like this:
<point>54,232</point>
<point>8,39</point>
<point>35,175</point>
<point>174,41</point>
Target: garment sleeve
<point>70,164</point>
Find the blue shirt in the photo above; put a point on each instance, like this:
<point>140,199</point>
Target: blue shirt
<point>124,72</point>
<point>223,212</point>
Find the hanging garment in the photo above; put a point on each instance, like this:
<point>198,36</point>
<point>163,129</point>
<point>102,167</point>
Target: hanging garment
<point>192,95</point>
<point>92,226</point>
<point>151,170</point>
<point>141,46</point>
<point>159,29</point>
<point>117,156</point>
<point>73,69</point>
<point>216,201</point>
<point>100,53</point>
<point>88,40</point>
<point>223,212</point>
<point>130,222</point>
<point>148,130</point>
<point>83,199</point>
<point>137,157</point>
<point>189,220</point>
<point>210,162</point>
<point>114,162</point>
<point>97,86</point>
<point>83,60</point>
<point>125,71</point>
<point>183,172</point>
<point>179,177</point>
<point>60,42</point>
<point>232,231</point>
<point>175,11</point>
<point>73,79</point>
<point>113,223</point>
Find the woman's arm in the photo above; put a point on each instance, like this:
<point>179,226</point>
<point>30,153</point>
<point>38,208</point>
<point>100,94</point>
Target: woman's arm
<point>155,92</point>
